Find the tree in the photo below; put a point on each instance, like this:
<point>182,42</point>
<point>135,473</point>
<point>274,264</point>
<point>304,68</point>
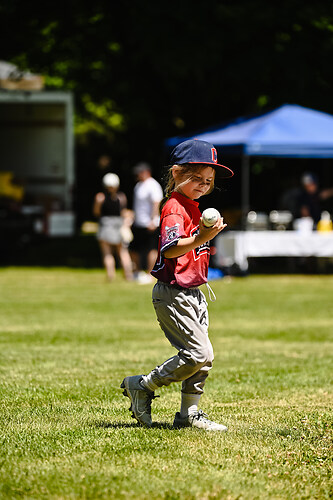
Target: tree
<point>143,71</point>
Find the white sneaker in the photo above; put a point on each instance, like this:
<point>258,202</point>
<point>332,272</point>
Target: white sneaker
<point>199,420</point>
<point>140,399</point>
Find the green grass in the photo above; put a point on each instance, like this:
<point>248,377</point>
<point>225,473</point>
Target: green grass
<point>67,339</point>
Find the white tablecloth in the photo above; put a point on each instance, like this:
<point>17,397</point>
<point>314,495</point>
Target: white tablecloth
<point>236,246</point>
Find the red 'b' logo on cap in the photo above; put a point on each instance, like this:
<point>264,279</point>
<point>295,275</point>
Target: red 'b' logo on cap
<point>214,155</point>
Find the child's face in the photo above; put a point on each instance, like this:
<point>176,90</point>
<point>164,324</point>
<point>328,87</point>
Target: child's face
<point>197,185</point>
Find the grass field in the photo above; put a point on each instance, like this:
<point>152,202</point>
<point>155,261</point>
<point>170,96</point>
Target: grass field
<point>67,339</point>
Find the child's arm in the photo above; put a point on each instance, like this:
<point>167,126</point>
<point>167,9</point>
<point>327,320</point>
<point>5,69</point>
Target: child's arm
<point>185,245</point>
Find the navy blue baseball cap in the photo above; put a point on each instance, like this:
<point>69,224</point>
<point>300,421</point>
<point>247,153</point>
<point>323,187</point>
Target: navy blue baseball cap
<point>195,151</point>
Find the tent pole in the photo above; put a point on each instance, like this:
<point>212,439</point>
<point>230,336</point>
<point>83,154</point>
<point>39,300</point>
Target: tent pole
<point>245,188</point>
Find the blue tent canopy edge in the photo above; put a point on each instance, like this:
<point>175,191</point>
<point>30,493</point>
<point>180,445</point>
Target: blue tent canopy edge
<point>289,131</point>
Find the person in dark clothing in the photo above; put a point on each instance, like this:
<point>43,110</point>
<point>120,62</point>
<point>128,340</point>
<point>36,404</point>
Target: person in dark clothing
<point>306,201</point>
<point>110,208</point>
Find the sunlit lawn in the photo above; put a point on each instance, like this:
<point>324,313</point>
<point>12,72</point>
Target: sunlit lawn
<point>67,339</point>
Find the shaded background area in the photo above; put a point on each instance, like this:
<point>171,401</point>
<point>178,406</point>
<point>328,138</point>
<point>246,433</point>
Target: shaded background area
<point>142,72</point>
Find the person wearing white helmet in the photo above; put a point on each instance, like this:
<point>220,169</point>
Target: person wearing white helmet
<point>110,207</point>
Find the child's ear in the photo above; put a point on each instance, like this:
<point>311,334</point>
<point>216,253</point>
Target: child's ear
<point>175,171</point>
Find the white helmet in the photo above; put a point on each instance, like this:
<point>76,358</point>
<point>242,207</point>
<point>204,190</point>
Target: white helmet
<point>111,180</point>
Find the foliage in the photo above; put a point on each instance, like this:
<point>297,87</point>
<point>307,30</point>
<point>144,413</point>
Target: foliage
<point>155,69</point>
<point>67,340</point>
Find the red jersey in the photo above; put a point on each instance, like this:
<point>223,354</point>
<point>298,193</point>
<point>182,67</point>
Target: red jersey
<point>180,219</point>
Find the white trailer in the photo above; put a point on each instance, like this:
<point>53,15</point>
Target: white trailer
<point>37,153</point>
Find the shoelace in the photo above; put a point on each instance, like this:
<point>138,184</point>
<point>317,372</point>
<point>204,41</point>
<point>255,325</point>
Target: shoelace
<point>200,415</point>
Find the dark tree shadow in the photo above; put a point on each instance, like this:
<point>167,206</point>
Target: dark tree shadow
<point>128,425</point>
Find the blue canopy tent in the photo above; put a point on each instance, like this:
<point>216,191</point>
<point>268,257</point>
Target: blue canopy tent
<point>290,131</point>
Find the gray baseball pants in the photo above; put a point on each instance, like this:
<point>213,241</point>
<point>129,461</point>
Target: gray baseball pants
<point>183,317</point>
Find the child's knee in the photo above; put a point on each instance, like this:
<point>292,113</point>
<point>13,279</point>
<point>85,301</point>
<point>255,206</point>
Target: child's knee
<point>203,356</point>
<point>209,355</point>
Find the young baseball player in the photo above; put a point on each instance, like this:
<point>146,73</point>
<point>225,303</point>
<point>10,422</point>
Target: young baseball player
<point>181,307</point>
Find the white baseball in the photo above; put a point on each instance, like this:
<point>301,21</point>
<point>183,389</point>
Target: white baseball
<point>210,216</point>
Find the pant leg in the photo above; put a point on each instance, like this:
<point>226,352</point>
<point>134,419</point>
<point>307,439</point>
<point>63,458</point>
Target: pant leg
<point>183,316</point>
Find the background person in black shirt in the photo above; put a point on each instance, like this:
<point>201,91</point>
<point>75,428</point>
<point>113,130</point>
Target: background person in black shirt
<point>110,207</point>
